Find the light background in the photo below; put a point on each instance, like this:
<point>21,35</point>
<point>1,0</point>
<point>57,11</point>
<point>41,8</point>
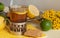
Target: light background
<point>41,4</point>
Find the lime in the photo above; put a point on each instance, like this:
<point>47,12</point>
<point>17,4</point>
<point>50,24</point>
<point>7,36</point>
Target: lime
<point>46,25</point>
<point>1,6</point>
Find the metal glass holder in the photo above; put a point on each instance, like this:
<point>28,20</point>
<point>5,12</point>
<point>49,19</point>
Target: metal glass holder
<point>17,28</point>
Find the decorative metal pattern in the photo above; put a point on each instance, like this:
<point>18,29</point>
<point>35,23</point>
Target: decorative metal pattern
<point>18,27</point>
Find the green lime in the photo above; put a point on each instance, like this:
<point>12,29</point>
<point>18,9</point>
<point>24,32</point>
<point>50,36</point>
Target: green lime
<point>1,6</point>
<point>46,25</point>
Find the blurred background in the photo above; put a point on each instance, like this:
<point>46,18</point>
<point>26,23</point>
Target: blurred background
<point>41,4</point>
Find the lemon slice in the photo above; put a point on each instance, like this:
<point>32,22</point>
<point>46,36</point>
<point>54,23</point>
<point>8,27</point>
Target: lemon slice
<point>33,11</point>
<point>21,12</point>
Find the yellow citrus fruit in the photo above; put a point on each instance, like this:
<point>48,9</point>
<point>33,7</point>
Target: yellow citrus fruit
<point>2,26</point>
<point>32,11</point>
<point>21,12</point>
<point>1,19</point>
<point>2,23</point>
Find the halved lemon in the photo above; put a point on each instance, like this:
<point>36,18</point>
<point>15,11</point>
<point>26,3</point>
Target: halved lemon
<point>33,11</point>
